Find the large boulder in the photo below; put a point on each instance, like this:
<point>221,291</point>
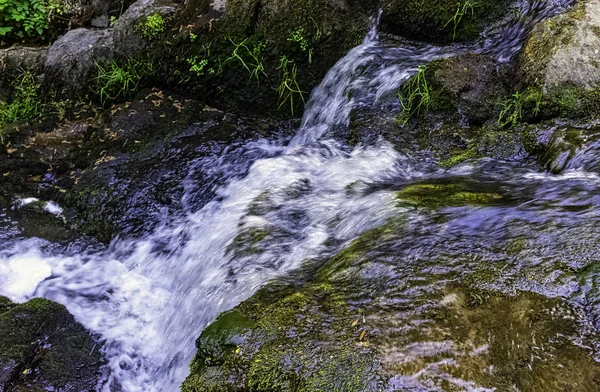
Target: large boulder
<point>43,348</point>
<point>564,49</point>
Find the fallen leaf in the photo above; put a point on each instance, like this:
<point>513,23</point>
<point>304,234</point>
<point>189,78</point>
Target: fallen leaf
<point>362,334</point>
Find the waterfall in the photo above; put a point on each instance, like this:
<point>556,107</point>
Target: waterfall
<point>150,298</point>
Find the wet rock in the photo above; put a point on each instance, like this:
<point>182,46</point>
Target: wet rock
<point>130,170</point>
<point>223,336</point>
<point>71,59</point>
<point>42,348</point>
<point>560,147</point>
<point>563,50</point>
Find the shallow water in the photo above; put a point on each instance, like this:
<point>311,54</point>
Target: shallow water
<point>307,197</point>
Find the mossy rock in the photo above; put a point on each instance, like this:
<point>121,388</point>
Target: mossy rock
<point>562,50</point>
<point>498,341</point>
<point>42,347</point>
<point>446,195</point>
<point>434,20</point>
<point>284,352</point>
<point>217,341</point>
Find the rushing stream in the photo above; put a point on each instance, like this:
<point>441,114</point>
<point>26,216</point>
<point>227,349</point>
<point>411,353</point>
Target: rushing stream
<point>149,298</point>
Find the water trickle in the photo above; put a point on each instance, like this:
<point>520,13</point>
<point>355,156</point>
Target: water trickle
<point>149,298</point>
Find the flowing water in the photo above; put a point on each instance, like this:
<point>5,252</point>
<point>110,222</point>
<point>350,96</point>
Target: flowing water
<point>149,298</point>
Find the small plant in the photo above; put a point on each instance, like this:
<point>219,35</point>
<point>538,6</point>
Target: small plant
<point>20,19</point>
<point>535,95</point>
<point>25,104</point>
<point>114,81</point>
<point>289,90</point>
<point>298,36</point>
<point>254,65</point>
<point>512,111</point>
<point>152,27</point>
<point>198,66</point>
<point>462,9</point>
<point>414,96</point>
<point>193,37</point>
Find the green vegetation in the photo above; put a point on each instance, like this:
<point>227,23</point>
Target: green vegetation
<point>289,90</point>
<point>198,66</point>
<point>512,111</point>
<point>115,81</point>
<point>298,36</point>
<point>152,27</point>
<point>24,106</point>
<point>27,19</point>
<point>254,65</point>
<point>461,10</point>
<point>414,96</point>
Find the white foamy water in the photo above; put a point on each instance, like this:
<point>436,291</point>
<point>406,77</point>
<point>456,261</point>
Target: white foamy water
<point>150,298</point>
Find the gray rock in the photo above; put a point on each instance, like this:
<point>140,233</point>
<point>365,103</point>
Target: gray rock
<point>564,49</point>
<point>72,59</point>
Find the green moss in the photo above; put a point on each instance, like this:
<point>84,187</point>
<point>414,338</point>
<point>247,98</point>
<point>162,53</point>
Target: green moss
<point>282,351</point>
<point>248,241</point>
<point>152,27</point>
<point>445,195</point>
<point>220,339</point>
<point>460,156</point>
<point>545,39</point>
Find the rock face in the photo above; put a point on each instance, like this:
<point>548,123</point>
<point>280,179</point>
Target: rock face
<point>440,20</point>
<point>43,348</point>
<point>564,49</point>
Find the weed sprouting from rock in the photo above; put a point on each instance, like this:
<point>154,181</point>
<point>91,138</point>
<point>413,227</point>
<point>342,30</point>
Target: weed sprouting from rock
<point>119,81</point>
<point>289,90</point>
<point>25,104</point>
<point>414,96</point>
<point>512,111</point>
<point>462,9</point>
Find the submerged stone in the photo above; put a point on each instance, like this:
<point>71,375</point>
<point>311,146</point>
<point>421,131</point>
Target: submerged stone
<point>446,195</point>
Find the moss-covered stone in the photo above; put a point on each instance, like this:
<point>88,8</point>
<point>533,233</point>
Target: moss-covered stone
<point>440,20</point>
<point>42,347</point>
<point>446,195</point>
<point>560,50</point>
